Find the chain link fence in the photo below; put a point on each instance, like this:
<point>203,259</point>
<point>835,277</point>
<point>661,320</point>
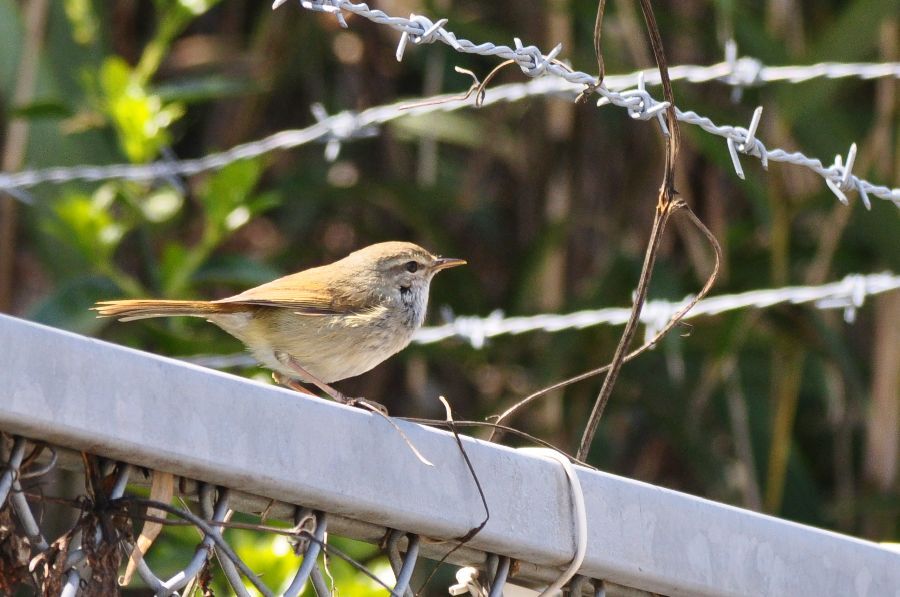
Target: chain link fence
<point>120,418</point>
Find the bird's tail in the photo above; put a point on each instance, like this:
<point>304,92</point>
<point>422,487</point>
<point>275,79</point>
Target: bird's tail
<point>129,310</point>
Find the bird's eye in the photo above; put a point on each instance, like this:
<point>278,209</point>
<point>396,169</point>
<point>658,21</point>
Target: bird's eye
<point>412,267</point>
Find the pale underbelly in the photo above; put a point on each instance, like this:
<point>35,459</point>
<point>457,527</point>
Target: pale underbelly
<point>330,348</point>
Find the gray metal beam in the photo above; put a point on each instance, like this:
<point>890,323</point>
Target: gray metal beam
<point>161,413</point>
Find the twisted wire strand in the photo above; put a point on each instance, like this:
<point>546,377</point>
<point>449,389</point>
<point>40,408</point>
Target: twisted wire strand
<point>418,29</point>
<point>848,294</point>
<point>349,125</point>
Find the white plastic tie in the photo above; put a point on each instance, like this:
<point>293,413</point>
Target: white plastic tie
<point>579,517</point>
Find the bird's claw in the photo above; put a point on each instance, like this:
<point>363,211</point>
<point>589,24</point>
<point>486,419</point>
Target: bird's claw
<point>360,402</point>
<point>369,404</point>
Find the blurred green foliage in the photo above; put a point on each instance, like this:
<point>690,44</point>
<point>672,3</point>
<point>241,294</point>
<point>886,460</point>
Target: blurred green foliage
<point>141,120</point>
<point>549,202</point>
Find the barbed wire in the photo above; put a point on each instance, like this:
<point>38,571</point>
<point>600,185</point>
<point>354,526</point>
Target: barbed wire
<point>849,294</point>
<point>348,125</point>
<point>419,29</point>
<point>746,71</point>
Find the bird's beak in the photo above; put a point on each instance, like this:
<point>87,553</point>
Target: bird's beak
<point>446,263</point>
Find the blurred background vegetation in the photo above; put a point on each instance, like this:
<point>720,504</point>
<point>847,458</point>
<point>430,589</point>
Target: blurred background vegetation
<point>789,411</point>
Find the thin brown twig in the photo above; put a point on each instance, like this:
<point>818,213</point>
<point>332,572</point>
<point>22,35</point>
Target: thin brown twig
<point>665,205</point>
<point>460,97</point>
<point>482,87</point>
<point>673,140</point>
<point>465,538</point>
<point>592,88</point>
<point>479,88</point>
<point>628,333</point>
<point>598,27</point>
<point>676,319</point>
<point>500,429</point>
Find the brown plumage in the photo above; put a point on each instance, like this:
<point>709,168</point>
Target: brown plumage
<point>322,324</point>
<point>131,309</point>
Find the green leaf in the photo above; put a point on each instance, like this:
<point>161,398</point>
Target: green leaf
<point>141,119</point>
<point>227,190</point>
<point>83,20</point>
<point>85,224</point>
<point>115,76</point>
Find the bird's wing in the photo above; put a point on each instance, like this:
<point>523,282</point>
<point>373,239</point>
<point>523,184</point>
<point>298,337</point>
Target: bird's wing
<point>303,292</point>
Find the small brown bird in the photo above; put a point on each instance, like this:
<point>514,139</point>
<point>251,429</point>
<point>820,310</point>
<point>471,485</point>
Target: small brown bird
<point>323,324</point>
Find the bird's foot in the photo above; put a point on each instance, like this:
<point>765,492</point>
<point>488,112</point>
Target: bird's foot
<point>335,394</point>
<point>366,403</point>
<point>289,382</point>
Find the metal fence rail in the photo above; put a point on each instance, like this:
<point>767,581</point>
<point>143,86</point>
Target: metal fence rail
<point>255,440</point>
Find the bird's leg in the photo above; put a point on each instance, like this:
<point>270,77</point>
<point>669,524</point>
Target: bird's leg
<point>293,384</point>
<point>289,382</point>
<point>337,396</point>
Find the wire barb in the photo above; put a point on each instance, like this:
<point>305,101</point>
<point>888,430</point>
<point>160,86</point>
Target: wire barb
<point>329,6</point>
<point>746,142</point>
<point>429,32</point>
